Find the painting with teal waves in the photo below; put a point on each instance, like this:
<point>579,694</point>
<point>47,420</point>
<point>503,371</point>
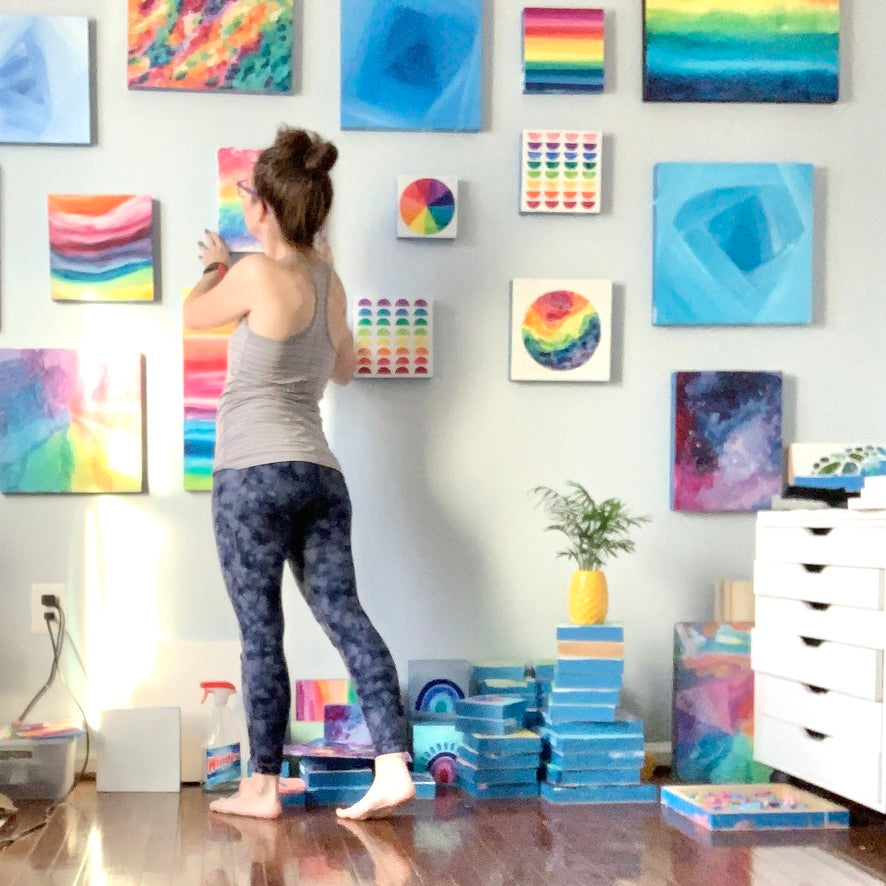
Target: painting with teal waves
<point>45,80</point>
<point>741,50</point>
<point>726,440</point>
<point>411,64</point>
<point>835,465</point>
<point>732,244</point>
<point>713,720</point>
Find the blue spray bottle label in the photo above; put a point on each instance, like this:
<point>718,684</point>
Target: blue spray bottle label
<point>222,766</point>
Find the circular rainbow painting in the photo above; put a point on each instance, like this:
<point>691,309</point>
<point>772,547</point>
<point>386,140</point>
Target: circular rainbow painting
<point>561,330</point>
<point>427,208</point>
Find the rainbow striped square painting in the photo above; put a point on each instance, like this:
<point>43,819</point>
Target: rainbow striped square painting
<point>235,164</point>
<point>70,421</point>
<point>394,338</point>
<point>101,247</point>
<point>741,50</point>
<point>562,50</point>
<point>223,46</point>
<point>311,696</point>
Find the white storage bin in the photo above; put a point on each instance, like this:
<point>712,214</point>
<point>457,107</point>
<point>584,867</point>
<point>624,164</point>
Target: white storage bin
<point>36,769</point>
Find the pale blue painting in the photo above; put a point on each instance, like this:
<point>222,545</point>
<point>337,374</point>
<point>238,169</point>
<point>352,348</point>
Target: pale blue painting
<point>411,64</point>
<point>732,244</point>
<point>44,80</point>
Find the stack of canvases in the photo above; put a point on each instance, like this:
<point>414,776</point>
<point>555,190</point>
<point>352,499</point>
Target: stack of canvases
<point>594,753</point>
<point>498,758</point>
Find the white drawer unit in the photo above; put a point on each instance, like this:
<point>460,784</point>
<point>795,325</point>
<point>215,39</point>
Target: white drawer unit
<point>817,649</point>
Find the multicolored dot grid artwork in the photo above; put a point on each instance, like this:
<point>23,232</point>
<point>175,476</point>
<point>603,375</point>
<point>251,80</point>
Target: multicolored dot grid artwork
<point>561,330</point>
<point>562,50</point>
<point>427,207</point>
<point>393,338</point>
<point>235,164</point>
<point>560,171</point>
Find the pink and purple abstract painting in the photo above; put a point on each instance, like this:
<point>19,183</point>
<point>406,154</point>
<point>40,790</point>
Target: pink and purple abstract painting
<point>344,724</point>
<point>727,449</point>
<point>70,421</point>
<point>235,164</point>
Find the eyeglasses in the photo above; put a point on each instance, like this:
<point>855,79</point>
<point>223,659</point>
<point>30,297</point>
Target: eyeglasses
<point>243,186</point>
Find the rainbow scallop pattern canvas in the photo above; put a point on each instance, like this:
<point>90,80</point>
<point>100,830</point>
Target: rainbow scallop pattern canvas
<point>562,50</point>
<point>560,171</point>
<point>393,338</point>
<point>235,164</point>
<point>100,247</point>
<point>427,207</point>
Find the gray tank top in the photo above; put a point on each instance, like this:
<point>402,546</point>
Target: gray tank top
<point>269,409</point>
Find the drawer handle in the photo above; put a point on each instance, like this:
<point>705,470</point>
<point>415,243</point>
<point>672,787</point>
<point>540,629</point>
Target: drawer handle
<point>818,607</point>
<point>813,567</point>
<point>811,641</point>
<point>817,690</point>
<point>820,530</point>
<point>815,736</point>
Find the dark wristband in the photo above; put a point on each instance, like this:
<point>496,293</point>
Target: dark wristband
<point>219,266</point>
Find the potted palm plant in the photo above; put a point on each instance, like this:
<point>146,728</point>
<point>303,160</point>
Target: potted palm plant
<point>597,531</point>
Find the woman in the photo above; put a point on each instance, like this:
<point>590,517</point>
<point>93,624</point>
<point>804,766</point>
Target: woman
<point>278,491</point>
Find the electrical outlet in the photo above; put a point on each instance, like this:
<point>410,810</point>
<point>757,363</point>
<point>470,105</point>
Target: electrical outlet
<point>38,623</point>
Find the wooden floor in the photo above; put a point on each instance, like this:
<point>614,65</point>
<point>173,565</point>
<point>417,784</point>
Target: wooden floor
<point>127,839</point>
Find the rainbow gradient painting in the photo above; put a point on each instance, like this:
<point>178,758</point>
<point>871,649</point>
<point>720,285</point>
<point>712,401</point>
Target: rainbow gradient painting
<point>101,248</point>
<point>561,330</point>
<point>235,164</point>
<point>560,171</point>
<point>562,50</point>
<point>311,696</point>
<point>205,355</point>
<point>741,50</point>
<point>726,440</point>
<point>394,338</point>
<point>223,46</point>
<point>70,421</point>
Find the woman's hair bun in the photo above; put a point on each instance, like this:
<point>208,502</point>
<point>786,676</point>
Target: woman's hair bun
<point>306,150</point>
<point>322,157</point>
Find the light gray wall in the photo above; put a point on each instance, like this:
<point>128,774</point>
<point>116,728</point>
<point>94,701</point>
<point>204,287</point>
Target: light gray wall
<point>451,556</point>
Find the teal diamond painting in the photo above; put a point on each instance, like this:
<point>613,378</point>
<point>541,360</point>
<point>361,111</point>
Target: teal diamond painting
<point>732,244</point>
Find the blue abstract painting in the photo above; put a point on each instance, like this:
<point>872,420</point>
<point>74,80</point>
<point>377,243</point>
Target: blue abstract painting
<point>44,80</point>
<point>411,64</point>
<point>732,244</point>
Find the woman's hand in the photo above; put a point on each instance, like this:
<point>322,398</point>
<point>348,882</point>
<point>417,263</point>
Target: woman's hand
<point>212,248</point>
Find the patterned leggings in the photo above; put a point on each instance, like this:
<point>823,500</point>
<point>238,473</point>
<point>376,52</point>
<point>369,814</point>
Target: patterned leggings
<point>300,513</point>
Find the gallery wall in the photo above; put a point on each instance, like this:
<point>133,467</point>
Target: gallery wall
<point>451,555</point>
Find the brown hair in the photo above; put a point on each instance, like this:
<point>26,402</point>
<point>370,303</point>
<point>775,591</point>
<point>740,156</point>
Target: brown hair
<point>292,177</point>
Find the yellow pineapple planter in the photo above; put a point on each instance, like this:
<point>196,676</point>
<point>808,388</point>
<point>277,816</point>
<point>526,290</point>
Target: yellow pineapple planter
<point>588,597</point>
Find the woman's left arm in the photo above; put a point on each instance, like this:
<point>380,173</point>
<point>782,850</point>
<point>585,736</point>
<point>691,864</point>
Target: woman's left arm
<point>219,297</point>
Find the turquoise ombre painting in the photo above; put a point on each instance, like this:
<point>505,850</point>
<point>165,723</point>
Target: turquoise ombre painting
<point>741,50</point>
<point>732,244</point>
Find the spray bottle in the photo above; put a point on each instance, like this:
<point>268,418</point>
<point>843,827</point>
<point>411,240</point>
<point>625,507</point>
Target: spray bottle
<point>221,762</point>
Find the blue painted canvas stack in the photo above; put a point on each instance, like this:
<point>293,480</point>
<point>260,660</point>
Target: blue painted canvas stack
<point>594,752</point>
<point>334,781</point>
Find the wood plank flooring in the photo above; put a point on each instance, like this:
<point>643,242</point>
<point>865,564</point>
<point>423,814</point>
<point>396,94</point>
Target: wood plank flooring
<point>149,839</point>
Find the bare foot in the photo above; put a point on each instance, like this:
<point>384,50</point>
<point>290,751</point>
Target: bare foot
<point>257,797</point>
<point>391,787</point>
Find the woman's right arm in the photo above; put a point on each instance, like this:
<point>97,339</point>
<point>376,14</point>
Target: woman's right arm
<point>340,333</point>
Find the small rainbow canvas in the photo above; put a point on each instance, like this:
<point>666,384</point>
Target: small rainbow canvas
<point>434,685</point>
<point>562,50</point>
<point>72,421</point>
<point>394,338</point>
<point>235,164</point>
<point>434,750</point>
<point>312,695</point>
<point>100,247</point>
<point>561,330</point>
<point>560,171</point>
<point>223,46</point>
<point>427,206</point>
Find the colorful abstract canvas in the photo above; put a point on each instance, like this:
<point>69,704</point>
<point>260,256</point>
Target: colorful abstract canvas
<point>741,50</point>
<point>205,354</point>
<point>434,750</point>
<point>344,724</point>
<point>394,338</point>
<point>561,330</point>
<point>562,49</point>
<point>311,696</point>
<point>835,465</point>
<point>411,64</point>
<point>427,207</point>
<point>44,80</point>
<point>732,243</point>
<point>726,440</point>
<point>101,247</point>
<point>223,46</point>
<point>235,164</point>
<point>70,421</point>
<point>713,718</point>
<point>560,171</point>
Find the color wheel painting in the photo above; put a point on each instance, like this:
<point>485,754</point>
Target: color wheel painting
<point>714,704</point>
<point>70,422</point>
<point>561,330</point>
<point>727,440</point>
<point>560,171</point>
<point>427,207</point>
<point>741,50</point>
<point>562,50</point>
<point>394,338</point>
<point>235,164</point>
<point>100,247</point>
<point>226,45</point>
